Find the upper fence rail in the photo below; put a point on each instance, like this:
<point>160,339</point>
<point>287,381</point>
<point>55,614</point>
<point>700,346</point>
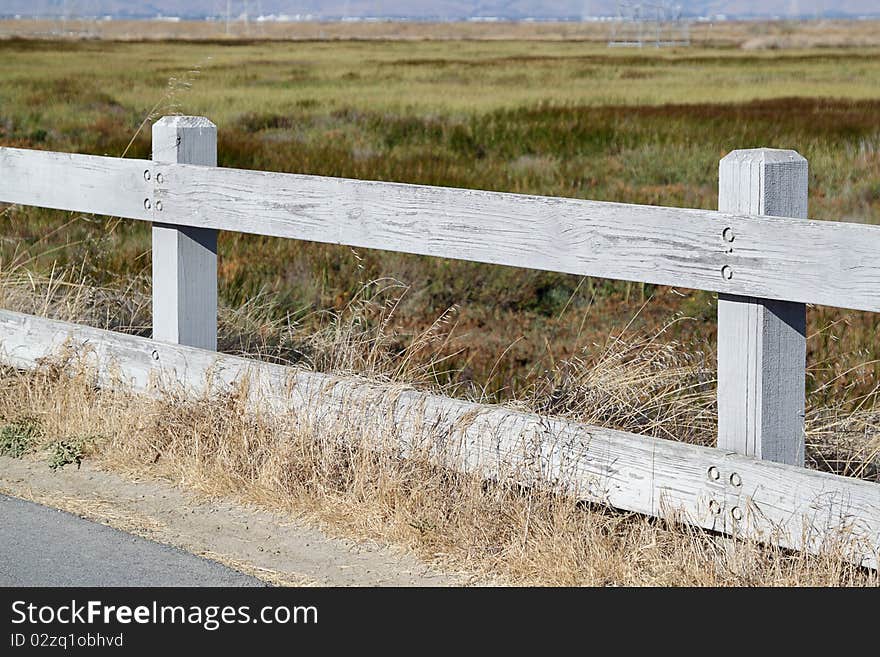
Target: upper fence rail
<point>827,263</point>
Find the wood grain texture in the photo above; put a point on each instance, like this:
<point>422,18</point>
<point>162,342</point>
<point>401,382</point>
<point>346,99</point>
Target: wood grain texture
<point>762,344</point>
<point>711,488</point>
<point>815,262</point>
<point>779,258</point>
<point>819,262</point>
<point>80,183</point>
<point>184,258</point>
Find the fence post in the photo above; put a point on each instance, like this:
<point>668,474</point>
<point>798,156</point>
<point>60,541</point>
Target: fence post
<point>762,343</point>
<point>184,258</point>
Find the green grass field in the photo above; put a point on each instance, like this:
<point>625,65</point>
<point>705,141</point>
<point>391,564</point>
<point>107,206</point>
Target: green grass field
<point>555,118</point>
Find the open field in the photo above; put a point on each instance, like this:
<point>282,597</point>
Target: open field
<point>550,117</point>
<point>564,119</point>
<point>745,34</point>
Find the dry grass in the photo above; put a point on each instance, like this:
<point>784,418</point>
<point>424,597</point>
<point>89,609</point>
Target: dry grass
<point>746,34</point>
<point>333,474</point>
<point>338,479</point>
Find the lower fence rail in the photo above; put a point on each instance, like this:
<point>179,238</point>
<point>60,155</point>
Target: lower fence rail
<point>708,487</point>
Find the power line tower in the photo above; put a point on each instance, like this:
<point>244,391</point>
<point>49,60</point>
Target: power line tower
<point>240,11</point>
<point>659,23</point>
<point>77,18</point>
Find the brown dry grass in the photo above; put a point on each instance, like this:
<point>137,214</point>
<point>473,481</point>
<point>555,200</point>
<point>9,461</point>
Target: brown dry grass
<point>333,474</point>
<point>778,34</point>
<point>339,480</point>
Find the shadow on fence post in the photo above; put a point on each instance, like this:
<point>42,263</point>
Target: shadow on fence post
<point>184,258</point>
<point>761,342</point>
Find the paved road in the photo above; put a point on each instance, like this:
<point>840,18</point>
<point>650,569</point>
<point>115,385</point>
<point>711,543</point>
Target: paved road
<point>40,546</point>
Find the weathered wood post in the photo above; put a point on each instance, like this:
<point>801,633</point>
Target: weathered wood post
<point>184,258</point>
<point>762,343</point>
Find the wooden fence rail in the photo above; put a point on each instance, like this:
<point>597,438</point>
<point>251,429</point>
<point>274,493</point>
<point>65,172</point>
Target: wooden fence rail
<point>829,263</point>
<point>759,253</point>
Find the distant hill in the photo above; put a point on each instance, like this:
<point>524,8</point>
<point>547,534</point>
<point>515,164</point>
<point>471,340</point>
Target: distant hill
<point>428,9</point>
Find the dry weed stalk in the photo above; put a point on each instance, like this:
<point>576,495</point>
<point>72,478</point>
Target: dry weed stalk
<point>348,476</point>
<point>332,473</point>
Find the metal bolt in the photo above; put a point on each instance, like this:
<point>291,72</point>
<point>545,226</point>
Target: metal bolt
<point>736,513</point>
<point>155,354</point>
<point>147,204</point>
<point>726,272</point>
<point>713,473</point>
<point>147,174</point>
<point>727,234</point>
<point>736,480</point>
<point>158,206</point>
<point>714,507</point>
<point>159,178</point>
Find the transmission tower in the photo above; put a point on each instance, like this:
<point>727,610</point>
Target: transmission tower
<point>659,23</point>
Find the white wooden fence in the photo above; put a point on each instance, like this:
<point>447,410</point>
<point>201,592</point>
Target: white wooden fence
<point>758,252</point>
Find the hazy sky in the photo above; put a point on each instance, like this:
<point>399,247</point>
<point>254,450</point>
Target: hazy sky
<point>430,8</point>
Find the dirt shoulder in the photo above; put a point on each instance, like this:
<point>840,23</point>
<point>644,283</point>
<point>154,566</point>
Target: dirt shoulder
<point>266,545</point>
